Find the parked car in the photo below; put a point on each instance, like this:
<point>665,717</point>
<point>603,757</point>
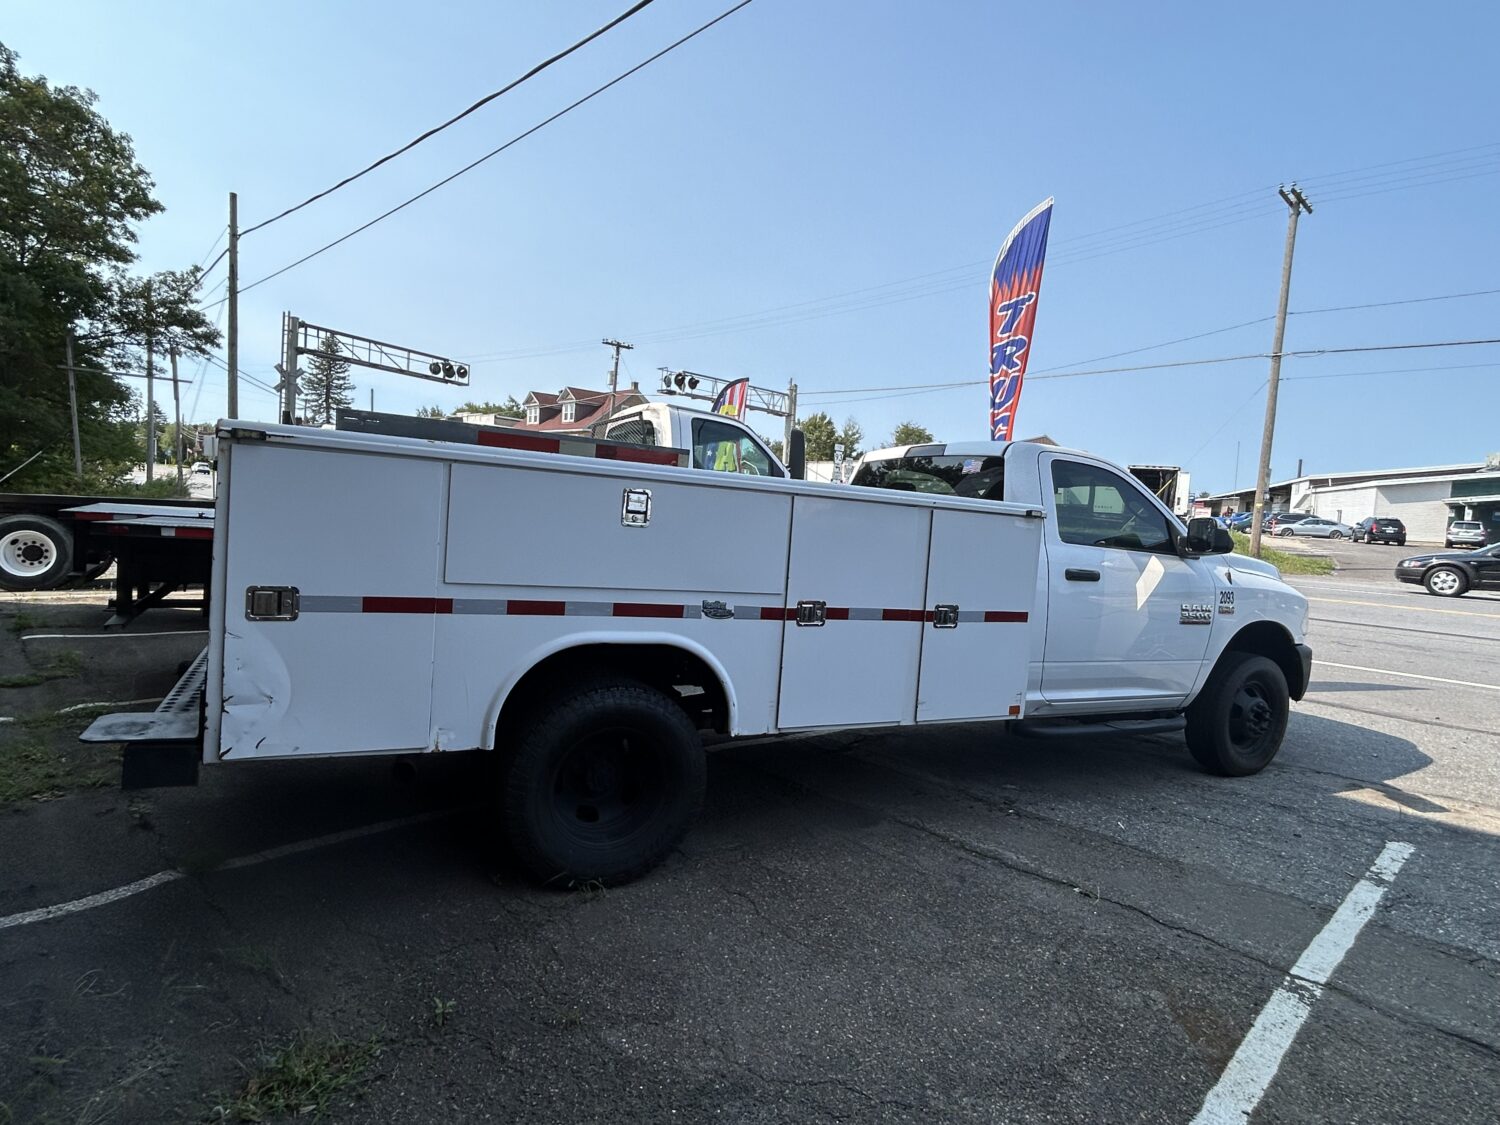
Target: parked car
<point>1316,526</point>
<point>1380,529</point>
<point>1240,521</point>
<point>1277,520</point>
<point>1464,533</point>
<point>1451,573</point>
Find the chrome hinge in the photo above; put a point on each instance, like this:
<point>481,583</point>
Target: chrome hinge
<point>945,617</point>
<point>271,603</point>
<point>812,613</point>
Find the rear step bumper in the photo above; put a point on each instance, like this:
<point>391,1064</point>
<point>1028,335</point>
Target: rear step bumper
<point>165,746</point>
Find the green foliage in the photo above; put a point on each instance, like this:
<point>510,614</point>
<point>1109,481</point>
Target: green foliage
<point>301,1079</point>
<point>909,433</point>
<point>431,412</point>
<point>822,435</point>
<point>1284,561</point>
<point>511,408</point>
<point>326,386</point>
<point>71,192</point>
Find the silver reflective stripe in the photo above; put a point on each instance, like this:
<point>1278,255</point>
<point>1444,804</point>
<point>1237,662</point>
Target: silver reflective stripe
<point>859,613</point>
<point>489,606</point>
<point>590,609</point>
<point>330,603</point>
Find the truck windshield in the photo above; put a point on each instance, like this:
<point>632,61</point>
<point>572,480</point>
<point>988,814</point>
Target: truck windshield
<point>981,478</point>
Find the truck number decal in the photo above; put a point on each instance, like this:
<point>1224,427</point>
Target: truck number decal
<point>1226,603</point>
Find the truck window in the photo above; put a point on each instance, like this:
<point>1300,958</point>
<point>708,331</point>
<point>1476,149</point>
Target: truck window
<point>1098,508</point>
<point>980,478</point>
<point>638,431</point>
<point>728,449</point>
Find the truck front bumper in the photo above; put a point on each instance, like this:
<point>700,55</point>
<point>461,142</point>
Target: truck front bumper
<point>1304,654</point>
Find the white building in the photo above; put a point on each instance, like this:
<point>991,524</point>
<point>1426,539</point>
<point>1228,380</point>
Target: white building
<point>1425,499</point>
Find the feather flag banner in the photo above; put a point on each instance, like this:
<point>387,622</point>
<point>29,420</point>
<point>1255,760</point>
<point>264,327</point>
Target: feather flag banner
<point>1014,285</point>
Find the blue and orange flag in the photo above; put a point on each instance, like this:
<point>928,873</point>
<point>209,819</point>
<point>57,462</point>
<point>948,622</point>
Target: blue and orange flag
<point>1014,286</point>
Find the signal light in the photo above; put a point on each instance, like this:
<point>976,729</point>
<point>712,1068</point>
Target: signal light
<point>462,371</point>
<point>435,368</point>
<point>692,382</point>
<point>680,379</point>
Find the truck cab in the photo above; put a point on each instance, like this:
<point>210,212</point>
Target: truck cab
<point>714,441</point>
<point>1135,608</point>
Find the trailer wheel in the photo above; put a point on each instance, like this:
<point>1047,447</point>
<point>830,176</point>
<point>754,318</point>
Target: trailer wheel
<point>600,784</point>
<point>1236,724</point>
<point>36,553</point>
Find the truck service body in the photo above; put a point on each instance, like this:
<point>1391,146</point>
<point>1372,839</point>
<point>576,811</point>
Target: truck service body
<point>584,615</point>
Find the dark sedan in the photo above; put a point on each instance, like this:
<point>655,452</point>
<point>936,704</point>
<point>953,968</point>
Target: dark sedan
<point>1451,573</point>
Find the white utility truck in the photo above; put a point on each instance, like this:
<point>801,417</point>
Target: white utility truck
<point>583,609</point>
<point>712,440</point>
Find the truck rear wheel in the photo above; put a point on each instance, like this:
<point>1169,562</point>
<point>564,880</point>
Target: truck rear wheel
<point>36,553</point>
<point>600,784</point>
<point>1236,724</point>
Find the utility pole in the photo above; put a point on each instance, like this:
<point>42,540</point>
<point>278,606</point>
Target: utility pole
<point>614,371</point>
<point>150,386</point>
<point>791,420</point>
<point>290,327</point>
<point>1297,202</point>
<point>73,406</point>
<point>233,335</point>
<point>176,412</point>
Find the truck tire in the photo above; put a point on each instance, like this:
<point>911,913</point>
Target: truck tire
<point>36,553</point>
<point>600,784</point>
<point>1236,724</point>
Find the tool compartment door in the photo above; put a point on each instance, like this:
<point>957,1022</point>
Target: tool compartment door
<point>981,582</point>
<point>866,562</point>
<point>359,536</point>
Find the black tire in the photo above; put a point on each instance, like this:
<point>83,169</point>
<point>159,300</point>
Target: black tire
<point>600,784</point>
<point>36,553</point>
<point>1446,581</point>
<point>1236,724</point>
<point>1335,535</point>
<point>1400,542</point>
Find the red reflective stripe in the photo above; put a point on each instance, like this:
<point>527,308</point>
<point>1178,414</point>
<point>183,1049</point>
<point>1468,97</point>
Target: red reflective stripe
<point>993,615</point>
<point>834,613</point>
<point>776,613</point>
<point>520,441</point>
<point>523,608</point>
<point>625,453</point>
<point>193,532</point>
<point>407,605</point>
<point>647,609</point>
<point>901,615</point>
<point>117,529</point>
<point>93,515</point>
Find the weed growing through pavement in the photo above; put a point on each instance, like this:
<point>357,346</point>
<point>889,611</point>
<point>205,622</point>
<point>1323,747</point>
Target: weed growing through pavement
<point>301,1079</point>
<point>65,665</point>
<point>442,1009</point>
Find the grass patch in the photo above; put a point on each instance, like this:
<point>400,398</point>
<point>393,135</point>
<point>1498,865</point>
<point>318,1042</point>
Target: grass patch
<point>64,666</point>
<point>1285,561</point>
<point>32,770</point>
<point>23,621</point>
<point>301,1079</point>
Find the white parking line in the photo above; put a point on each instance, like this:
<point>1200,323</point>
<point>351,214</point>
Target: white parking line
<point>104,898</point>
<point>1407,675</point>
<point>1407,608</point>
<point>1246,1078</point>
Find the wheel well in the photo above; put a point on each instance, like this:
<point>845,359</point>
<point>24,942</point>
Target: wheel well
<point>680,675</point>
<point>1265,638</point>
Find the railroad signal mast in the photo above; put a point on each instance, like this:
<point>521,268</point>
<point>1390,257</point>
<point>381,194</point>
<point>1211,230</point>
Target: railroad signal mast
<point>300,338</point>
<point>694,384</point>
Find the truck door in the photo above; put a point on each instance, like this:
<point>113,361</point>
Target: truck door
<point>856,578</point>
<point>981,581</point>
<point>1128,620</point>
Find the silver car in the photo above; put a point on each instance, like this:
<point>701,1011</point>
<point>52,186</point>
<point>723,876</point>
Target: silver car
<point>1464,533</point>
<point>1315,525</point>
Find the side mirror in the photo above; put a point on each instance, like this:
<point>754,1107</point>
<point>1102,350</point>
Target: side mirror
<point>796,456</point>
<point>1206,537</point>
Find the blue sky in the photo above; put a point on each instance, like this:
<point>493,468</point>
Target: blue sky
<point>815,191</point>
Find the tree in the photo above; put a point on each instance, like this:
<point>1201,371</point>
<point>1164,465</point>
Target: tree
<point>70,192</point>
<point>431,412</point>
<point>327,384</point>
<point>510,408</point>
<point>819,431</point>
<point>909,433</point>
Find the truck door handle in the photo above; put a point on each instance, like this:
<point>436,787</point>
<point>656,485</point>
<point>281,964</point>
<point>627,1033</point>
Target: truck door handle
<point>1075,574</point>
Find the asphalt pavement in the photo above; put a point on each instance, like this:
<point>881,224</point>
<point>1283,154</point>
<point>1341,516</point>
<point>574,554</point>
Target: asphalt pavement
<point>950,924</point>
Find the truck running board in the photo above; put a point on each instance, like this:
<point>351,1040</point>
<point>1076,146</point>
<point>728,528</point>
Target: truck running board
<point>162,747</point>
<point>1066,728</point>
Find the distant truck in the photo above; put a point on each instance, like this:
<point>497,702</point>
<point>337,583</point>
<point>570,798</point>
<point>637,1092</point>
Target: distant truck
<point>1170,484</point>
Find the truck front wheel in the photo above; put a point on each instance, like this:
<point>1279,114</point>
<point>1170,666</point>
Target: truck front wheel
<point>1236,724</point>
<point>600,784</point>
<point>36,553</point>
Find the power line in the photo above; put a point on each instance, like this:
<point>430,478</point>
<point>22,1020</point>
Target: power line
<point>484,101</point>
<point>495,152</point>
